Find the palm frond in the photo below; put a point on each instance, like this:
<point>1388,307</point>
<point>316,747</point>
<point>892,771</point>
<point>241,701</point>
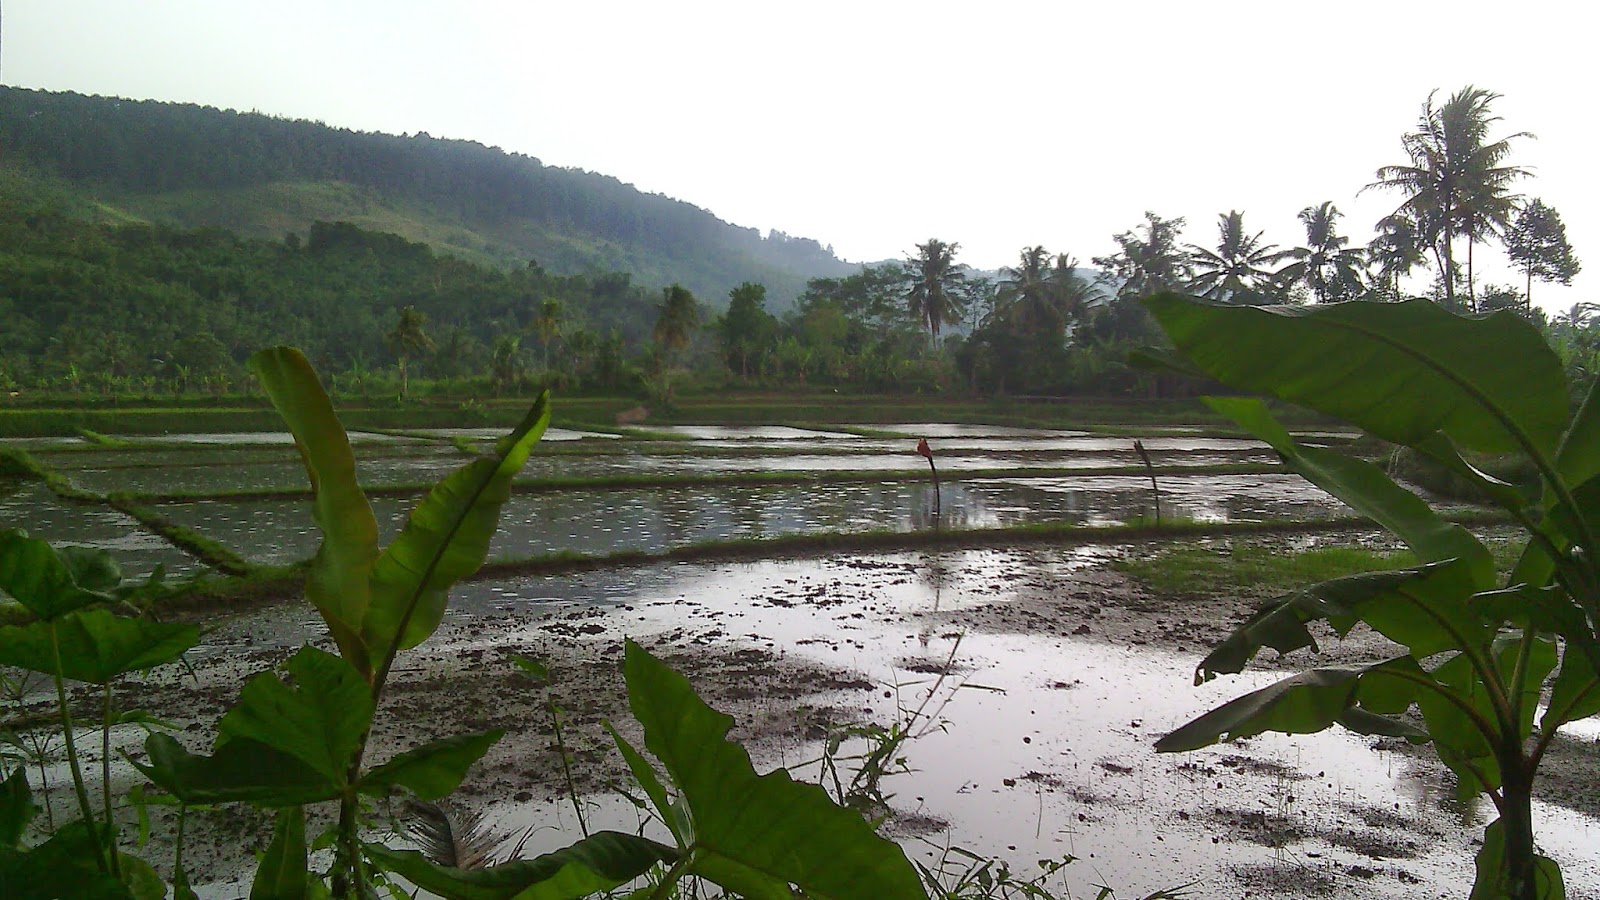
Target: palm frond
<point>460,840</point>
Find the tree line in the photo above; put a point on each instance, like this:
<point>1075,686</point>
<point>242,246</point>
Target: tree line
<point>138,306</point>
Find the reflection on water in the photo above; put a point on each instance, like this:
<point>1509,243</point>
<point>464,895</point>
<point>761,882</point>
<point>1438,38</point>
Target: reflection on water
<point>660,518</point>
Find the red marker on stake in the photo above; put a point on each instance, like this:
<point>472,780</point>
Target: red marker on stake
<point>926,452</point>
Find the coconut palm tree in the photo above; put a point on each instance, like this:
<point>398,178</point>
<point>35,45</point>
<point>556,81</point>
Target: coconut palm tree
<point>1069,293</point>
<point>1456,182</point>
<point>1398,248</point>
<point>505,362</point>
<point>1237,271</point>
<point>547,323</point>
<point>676,318</point>
<point>409,338</point>
<point>1029,283</point>
<point>935,295</point>
<point>1149,262</point>
<point>1331,270</point>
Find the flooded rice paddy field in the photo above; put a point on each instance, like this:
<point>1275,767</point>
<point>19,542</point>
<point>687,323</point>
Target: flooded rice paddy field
<point>1051,673</point>
<point>276,532</point>
<point>1058,676</point>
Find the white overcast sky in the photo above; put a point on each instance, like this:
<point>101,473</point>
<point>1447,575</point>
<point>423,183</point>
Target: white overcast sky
<point>873,126</point>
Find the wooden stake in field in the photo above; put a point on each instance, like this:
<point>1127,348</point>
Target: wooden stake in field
<point>1154,489</point>
<point>927,453</point>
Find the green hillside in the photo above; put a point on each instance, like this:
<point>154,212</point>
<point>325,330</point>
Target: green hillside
<point>179,164</point>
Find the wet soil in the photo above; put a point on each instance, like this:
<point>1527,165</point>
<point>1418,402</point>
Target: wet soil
<point>1041,677</point>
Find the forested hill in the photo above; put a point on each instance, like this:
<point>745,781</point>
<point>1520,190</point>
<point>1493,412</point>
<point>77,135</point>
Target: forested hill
<point>262,176</point>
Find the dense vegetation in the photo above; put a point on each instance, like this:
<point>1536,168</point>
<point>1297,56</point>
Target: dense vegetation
<point>98,299</point>
<point>259,175</point>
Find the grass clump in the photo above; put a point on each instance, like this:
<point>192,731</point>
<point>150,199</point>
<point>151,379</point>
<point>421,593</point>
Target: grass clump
<point>1207,570</point>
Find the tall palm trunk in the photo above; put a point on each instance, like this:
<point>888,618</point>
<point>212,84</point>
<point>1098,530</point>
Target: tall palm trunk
<point>1472,289</point>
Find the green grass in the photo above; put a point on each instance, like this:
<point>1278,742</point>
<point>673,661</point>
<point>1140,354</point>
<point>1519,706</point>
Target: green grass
<point>1209,570</point>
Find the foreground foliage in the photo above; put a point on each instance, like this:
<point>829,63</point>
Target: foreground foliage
<point>300,737</point>
<point>1473,652</point>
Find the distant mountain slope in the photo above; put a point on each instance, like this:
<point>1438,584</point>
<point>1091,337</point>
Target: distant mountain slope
<point>262,176</point>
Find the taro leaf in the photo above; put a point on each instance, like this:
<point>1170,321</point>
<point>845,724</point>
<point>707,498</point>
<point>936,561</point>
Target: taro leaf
<point>645,774</point>
<point>1280,623</point>
<point>445,540</point>
<point>339,582</point>
<point>140,878</point>
<point>1399,370</point>
<point>1490,883</point>
<point>766,826</point>
<point>46,580</point>
<point>597,863</point>
<point>320,720</point>
<point>1366,489</point>
<point>96,646</point>
<point>91,568</point>
<point>16,809</point>
<point>242,770</point>
<point>432,770</point>
<point>62,868</point>
<point>1301,704</point>
<point>284,870</point>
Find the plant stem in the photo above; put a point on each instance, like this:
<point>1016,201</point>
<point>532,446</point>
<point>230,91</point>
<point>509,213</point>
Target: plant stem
<point>349,879</point>
<point>1516,816</point>
<point>78,785</point>
<point>566,768</point>
<point>177,851</point>
<point>105,771</point>
<point>670,880</point>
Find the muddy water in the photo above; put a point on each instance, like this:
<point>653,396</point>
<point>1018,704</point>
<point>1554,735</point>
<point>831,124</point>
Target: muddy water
<point>1041,745</point>
<point>280,531</point>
